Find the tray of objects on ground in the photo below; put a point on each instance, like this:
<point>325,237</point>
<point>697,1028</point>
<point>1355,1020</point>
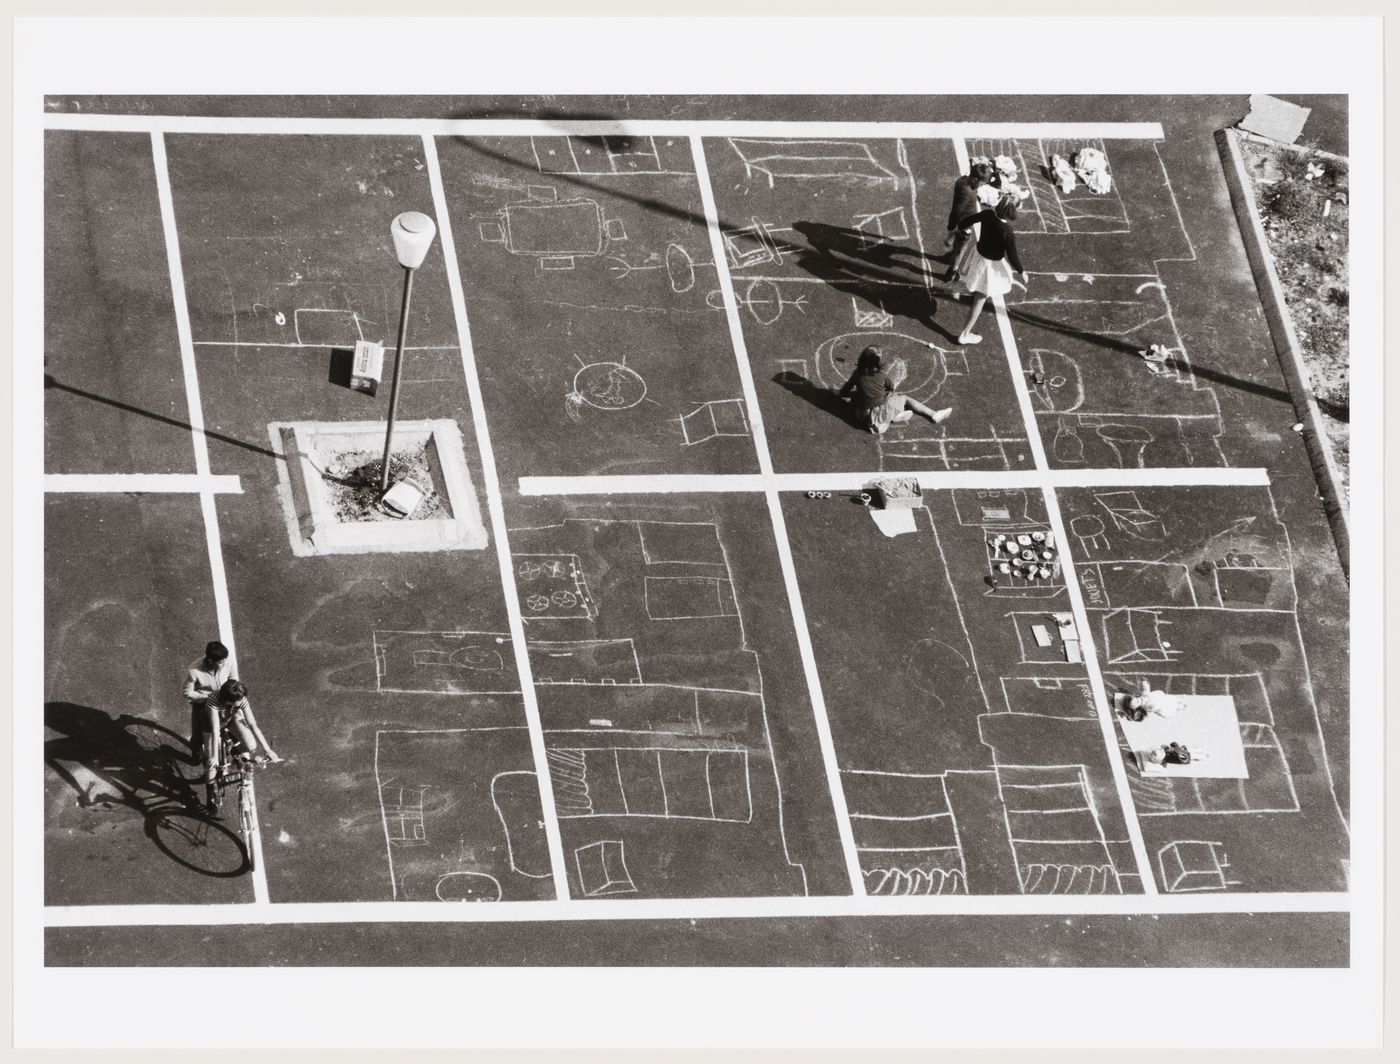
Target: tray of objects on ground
<point>1028,556</point>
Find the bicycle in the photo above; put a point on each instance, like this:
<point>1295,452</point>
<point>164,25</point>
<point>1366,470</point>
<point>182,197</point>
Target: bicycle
<point>238,773</point>
<point>236,770</point>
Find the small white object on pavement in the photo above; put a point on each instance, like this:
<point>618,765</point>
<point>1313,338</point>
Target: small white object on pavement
<point>403,499</point>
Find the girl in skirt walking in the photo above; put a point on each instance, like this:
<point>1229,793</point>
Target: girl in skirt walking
<point>995,264</point>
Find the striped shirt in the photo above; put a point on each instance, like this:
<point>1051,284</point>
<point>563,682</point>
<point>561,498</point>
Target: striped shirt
<point>225,712</point>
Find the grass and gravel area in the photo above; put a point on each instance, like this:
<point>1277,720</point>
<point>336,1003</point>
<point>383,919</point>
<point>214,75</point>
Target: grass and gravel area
<point>352,480</point>
<point>1302,196</point>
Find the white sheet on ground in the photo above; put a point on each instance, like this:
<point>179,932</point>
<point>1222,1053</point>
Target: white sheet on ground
<point>894,522</point>
<point>1205,723</point>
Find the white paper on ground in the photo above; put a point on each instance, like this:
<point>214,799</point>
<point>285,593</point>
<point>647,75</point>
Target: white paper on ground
<point>894,522</point>
<point>1274,118</point>
<point>1207,723</point>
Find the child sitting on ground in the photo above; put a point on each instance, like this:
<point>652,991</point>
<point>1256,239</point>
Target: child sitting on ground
<point>878,405</point>
<point>1158,703</point>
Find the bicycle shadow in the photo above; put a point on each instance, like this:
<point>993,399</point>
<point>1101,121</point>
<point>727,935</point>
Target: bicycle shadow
<point>133,763</point>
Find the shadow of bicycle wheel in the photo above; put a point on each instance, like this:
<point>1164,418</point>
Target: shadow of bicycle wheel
<point>198,843</point>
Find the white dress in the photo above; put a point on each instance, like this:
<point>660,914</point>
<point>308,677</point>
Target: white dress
<point>989,277</point>
<point>979,274</point>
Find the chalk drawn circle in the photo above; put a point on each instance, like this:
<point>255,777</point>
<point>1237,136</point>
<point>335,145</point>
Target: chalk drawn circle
<point>538,602</point>
<point>764,300</point>
<point>680,268</point>
<point>564,599</point>
<point>1059,387</point>
<point>467,886</point>
<point>837,357</point>
<point>609,386</point>
<point>478,659</point>
<point>1086,526</point>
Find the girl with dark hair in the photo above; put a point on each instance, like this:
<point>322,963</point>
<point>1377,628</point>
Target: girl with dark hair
<point>965,202</point>
<point>227,710</point>
<point>991,270</point>
<point>878,405</point>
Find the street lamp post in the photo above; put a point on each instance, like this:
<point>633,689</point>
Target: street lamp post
<point>413,234</point>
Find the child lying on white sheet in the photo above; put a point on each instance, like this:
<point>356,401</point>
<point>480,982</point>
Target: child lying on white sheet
<point>1146,701</point>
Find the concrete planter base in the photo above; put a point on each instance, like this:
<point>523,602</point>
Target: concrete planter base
<point>1286,344</point>
<point>306,449</point>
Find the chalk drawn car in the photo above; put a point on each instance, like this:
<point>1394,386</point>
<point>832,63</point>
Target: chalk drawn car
<point>557,233</point>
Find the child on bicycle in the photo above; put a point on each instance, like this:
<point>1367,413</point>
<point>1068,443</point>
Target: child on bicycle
<point>227,713</point>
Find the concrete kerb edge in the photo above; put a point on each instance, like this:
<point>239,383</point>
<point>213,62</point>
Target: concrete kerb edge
<point>307,506</point>
<point>1295,149</point>
<point>1286,344</point>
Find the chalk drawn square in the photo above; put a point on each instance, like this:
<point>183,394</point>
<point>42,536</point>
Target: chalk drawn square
<point>1246,588</point>
<point>721,417</point>
<point>602,869</point>
<point>585,661</point>
<point>317,327</point>
<point>688,598</point>
<point>729,416</point>
<point>642,785</point>
<point>731,796</point>
<point>554,229</point>
<point>1192,866</point>
<point>683,543</point>
<point>686,775</point>
<point>445,663</point>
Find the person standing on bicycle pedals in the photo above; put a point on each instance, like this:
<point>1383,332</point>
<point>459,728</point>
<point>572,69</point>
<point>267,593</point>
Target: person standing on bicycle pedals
<point>203,679</point>
<point>228,711</point>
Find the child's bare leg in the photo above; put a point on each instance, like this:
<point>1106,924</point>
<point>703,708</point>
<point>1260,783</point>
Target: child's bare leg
<point>967,336</point>
<point>919,408</point>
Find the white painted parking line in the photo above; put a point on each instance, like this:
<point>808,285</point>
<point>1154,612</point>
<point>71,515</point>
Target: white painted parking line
<point>560,127</point>
<point>775,511</point>
<point>580,910</point>
<point>1102,703</point>
<point>929,480</point>
<point>155,483</point>
<point>491,487</point>
<point>214,546</point>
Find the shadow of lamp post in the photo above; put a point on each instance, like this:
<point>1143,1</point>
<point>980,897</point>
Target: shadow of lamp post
<point>413,234</point>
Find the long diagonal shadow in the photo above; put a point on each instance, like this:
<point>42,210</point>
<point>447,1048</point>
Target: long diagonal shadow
<point>848,273</point>
<point>1215,376</point>
<point>580,180</point>
<point>52,382</point>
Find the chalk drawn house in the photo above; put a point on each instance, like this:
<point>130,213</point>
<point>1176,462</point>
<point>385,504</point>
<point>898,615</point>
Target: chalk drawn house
<point>660,758</point>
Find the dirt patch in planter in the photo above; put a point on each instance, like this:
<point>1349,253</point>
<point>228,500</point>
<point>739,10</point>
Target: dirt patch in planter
<point>1308,241</point>
<point>352,484</point>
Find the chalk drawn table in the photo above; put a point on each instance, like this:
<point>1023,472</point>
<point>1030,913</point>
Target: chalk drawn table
<point>1205,722</point>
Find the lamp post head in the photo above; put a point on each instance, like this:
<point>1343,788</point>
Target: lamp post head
<point>413,234</point>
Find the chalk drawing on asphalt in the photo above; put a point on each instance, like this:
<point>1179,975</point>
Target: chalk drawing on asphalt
<point>1193,865</point>
<point>905,832</point>
<point>843,161</point>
